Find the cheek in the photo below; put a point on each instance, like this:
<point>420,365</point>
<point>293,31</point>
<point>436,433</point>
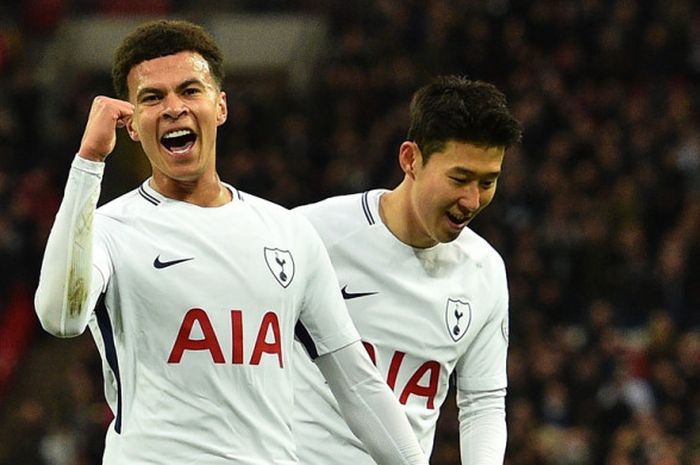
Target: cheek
<point>486,198</point>
<point>434,205</point>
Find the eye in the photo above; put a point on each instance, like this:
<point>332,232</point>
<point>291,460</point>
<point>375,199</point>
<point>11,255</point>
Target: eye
<point>458,180</point>
<point>488,184</point>
<point>191,91</point>
<point>149,98</point>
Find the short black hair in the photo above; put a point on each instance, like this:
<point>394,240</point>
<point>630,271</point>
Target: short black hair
<point>453,108</point>
<point>161,38</point>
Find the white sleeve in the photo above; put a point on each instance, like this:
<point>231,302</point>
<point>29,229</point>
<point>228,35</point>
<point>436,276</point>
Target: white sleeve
<point>369,407</point>
<point>68,283</point>
<point>482,426</point>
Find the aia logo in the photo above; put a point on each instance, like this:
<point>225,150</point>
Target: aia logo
<point>424,379</point>
<point>267,343</point>
<point>458,317</point>
<point>281,264</point>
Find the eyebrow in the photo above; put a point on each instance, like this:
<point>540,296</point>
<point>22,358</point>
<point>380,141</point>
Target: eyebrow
<point>466,172</point>
<point>188,83</point>
<point>155,90</point>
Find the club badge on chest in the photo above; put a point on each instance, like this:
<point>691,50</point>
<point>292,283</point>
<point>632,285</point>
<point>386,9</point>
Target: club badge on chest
<point>458,317</point>
<point>281,265</point>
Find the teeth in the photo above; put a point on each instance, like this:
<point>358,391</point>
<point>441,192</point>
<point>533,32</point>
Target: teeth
<point>178,133</point>
<point>458,219</point>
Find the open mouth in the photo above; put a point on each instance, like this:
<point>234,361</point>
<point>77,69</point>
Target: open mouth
<point>457,220</point>
<point>178,141</point>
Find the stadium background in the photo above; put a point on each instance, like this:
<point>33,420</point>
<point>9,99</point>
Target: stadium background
<point>597,214</point>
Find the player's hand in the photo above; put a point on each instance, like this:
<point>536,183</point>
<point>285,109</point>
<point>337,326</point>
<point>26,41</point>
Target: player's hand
<point>100,136</point>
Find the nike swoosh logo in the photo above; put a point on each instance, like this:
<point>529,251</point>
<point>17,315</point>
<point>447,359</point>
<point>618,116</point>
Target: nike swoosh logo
<point>160,265</point>
<point>354,295</point>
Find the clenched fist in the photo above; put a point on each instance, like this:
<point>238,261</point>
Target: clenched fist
<point>100,136</point>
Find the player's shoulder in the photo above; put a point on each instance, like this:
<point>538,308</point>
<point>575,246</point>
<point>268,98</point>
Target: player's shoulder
<point>271,210</point>
<point>262,205</point>
<point>278,217</point>
<point>338,216</point>
<point>337,207</point>
<point>479,248</point>
<point>135,202</point>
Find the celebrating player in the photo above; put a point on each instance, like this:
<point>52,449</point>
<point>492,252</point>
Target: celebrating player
<point>192,289</point>
<point>427,294</point>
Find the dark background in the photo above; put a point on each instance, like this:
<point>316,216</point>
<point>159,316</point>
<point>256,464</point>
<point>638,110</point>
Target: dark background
<point>597,213</point>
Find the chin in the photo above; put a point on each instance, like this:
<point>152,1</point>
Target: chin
<point>449,237</point>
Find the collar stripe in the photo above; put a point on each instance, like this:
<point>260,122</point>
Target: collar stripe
<point>148,196</point>
<point>366,209</point>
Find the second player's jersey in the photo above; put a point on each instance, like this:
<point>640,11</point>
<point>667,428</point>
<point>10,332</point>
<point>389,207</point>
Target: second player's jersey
<point>195,326</point>
<point>423,314</point>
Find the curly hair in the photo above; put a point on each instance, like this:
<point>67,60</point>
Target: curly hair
<point>162,38</point>
<point>453,108</point>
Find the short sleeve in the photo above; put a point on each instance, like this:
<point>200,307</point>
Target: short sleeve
<point>483,366</point>
<point>324,323</point>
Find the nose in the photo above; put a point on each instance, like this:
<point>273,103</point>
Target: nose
<point>173,106</point>
<point>470,198</point>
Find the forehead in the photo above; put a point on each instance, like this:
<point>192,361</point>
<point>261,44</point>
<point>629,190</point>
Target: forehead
<point>169,70</point>
<point>468,157</point>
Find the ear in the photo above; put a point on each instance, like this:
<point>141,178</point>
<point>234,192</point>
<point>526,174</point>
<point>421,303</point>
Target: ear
<point>222,113</point>
<point>133,134</point>
<point>409,158</point>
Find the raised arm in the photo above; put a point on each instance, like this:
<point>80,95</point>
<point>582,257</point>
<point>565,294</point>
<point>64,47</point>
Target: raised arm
<point>66,290</point>
<point>369,407</point>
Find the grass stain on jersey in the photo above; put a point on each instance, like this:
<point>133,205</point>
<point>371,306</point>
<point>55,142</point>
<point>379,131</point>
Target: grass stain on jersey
<point>81,259</point>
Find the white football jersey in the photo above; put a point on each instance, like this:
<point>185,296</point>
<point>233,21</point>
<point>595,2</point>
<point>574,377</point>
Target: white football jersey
<point>196,323</point>
<point>422,314</point>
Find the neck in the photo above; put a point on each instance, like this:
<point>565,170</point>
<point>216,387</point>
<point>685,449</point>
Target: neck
<point>397,214</point>
<point>203,191</point>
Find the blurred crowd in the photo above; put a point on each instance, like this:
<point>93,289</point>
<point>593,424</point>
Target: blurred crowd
<point>597,213</point>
